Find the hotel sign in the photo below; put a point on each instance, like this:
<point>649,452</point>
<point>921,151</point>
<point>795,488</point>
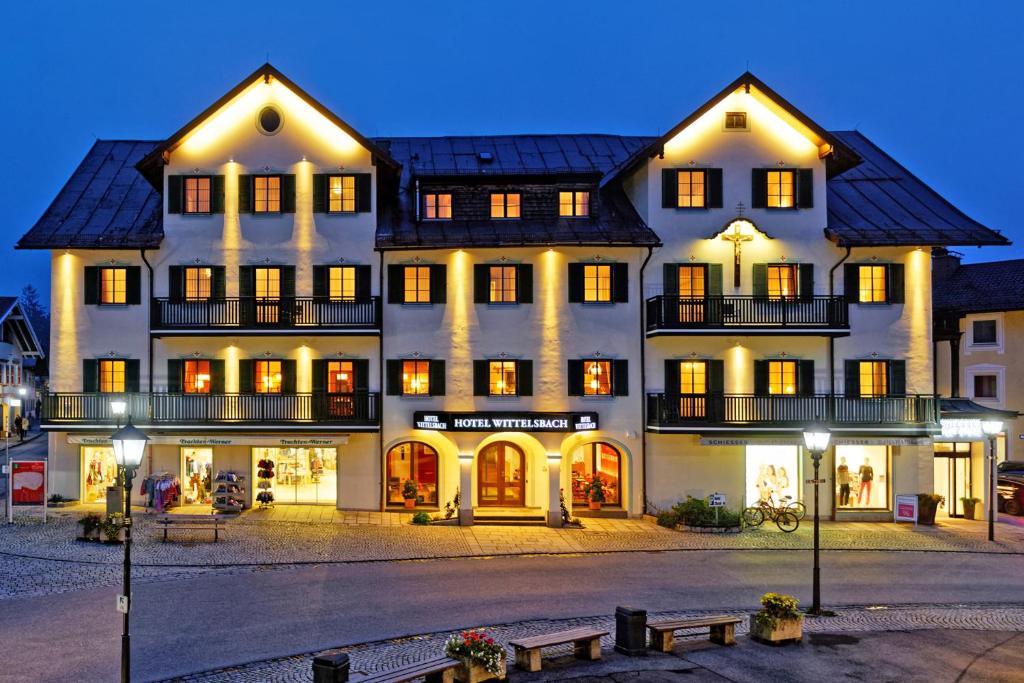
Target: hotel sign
<point>441,421</point>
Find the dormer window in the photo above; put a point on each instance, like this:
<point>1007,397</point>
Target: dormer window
<point>736,120</point>
<point>505,205</point>
<point>574,204</point>
<point>437,206</point>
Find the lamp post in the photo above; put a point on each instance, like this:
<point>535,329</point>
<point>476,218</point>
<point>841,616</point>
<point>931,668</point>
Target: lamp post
<point>816,438</point>
<point>118,406</point>
<point>991,429</point>
<point>129,445</point>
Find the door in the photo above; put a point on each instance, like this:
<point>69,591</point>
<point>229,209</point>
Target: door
<point>953,475</point>
<point>501,474</point>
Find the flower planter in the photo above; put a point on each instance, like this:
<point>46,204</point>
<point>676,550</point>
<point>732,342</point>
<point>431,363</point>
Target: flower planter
<point>594,505</point>
<point>969,508</point>
<point>469,671</point>
<point>410,503</point>
<point>782,632</point>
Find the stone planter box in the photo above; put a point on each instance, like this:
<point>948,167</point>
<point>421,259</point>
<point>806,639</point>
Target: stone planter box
<point>471,672</point>
<point>785,631</point>
<point>116,540</point>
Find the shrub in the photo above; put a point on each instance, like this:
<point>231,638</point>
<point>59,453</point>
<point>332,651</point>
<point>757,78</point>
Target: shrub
<point>595,489</point>
<point>668,519</point>
<point>697,512</point>
<point>476,646</point>
<point>421,518</point>
<point>90,522</point>
<point>775,606</point>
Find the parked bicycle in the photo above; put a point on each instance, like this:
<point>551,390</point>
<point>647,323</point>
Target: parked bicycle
<point>786,516</point>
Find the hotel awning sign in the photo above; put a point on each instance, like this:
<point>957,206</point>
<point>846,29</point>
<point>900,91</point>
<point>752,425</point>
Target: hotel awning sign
<point>506,421</point>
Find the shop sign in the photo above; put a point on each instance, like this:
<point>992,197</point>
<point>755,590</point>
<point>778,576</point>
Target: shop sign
<point>906,508</point>
<point>961,428</point>
<point>725,441</point>
<point>894,441</point>
<point>28,483</point>
<point>282,441</point>
<point>493,421</point>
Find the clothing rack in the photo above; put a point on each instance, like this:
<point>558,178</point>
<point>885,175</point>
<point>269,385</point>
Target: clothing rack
<point>229,492</point>
<point>162,490</point>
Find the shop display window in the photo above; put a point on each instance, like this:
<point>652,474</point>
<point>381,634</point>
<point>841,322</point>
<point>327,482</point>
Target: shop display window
<point>416,461</point>
<point>862,477</point>
<point>773,474</point>
<point>301,475</point>
<point>197,475</point>
<point>99,470</point>
<point>600,459</point>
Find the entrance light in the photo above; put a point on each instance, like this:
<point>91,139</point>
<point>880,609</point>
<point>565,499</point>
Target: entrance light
<point>991,427</point>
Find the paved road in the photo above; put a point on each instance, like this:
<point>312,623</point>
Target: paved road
<point>200,624</point>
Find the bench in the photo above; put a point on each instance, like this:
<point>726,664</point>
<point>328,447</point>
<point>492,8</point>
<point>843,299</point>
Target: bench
<point>723,630</point>
<point>440,670</point>
<point>586,645</point>
<point>192,522</point>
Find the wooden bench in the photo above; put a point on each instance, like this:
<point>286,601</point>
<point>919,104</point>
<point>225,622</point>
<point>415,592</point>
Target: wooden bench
<point>192,522</point>
<point>440,670</point>
<point>723,630</point>
<point>586,645</point>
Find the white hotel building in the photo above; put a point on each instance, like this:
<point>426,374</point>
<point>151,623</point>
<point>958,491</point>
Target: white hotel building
<point>500,317</point>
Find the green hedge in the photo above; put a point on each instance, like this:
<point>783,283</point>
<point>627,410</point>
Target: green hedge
<point>696,512</point>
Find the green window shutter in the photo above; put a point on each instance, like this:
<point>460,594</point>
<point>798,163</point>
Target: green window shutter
<point>217,285</point>
<point>361,374</point>
<point>246,281</point>
<point>437,378</point>
<point>133,285</point>
<point>713,188</point>
<point>669,188</point>
<point>713,281</point>
<point>320,181</point>
<point>716,377</point>
<point>246,376</point>
<point>620,282</point>
<point>393,377</point>
<point>805,377</point>
<point>481,283</point>
<point>805,188</point>
<point>806,281</point>
<point>851,378</point>
<point>575,283</point>
<point>524,283</point>
<point>524,378</point>
<point>895,284</point>
<point>438,285</point>
<point>217,376</point>
<point>288,194</point>
<point>851,282</point>
<point>174,194</point>
<point>217,194</point>
<point>897,378</point>
<point>481,378</point>
<point>574,380</point>
<point>672,376</point>
<point>670,278</point>
<point>758,188</point>
<point>364,187</point>
<point>760,378</point>
<point>92,285</point>
<point>759,279</point>
<point>245,194</point>
<point>620,377</point>
<point>319,370</point>
<point>396,284</point>
<point>287,281</point>
<point>288,378</point>
<point>131,375</point>
<point>363,283</point>
<point>176,283</point>
<point>321,278</point>
<point>90,375</point>
<point>175,377</point>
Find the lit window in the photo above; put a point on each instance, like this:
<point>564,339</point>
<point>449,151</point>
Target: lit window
<point>691,189</point>
<point>874,380</point>
<point>339,377</point>
<point>598,459</point>
<point>691,293</point>
<point>597,378</point>
<point>197,195</point>
<point>437,206</point>
<point>505,205</point>
<point>342,283</point>
<point>502,379</point>
<point>197,377</point>
<point>735,120</point>
<point>268,377</point>
<point>417,284</point>
<point>111,376</point>
<point>781,281</point>
<point>113,285</point>
<point>871,285</point>
<point>780,189</point>
<point>198,283</point>
<point>342,197</point>
<point>597,283</point>
<point>574,204</point>
<point>268,292</point>
<point>267,194</point>
<point>781,377</point>
<point>502,285</point>
<point>692,388</point>
<point>416,378</point>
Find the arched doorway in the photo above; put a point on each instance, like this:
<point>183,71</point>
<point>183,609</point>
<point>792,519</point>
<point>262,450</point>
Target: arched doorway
<point>603,460</point>
<point>501,475</point>
<point>416,461</point>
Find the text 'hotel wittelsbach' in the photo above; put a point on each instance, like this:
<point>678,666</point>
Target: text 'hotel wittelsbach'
<point>498,318</point>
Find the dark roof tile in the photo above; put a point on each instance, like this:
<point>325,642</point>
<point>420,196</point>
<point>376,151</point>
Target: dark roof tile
<point>979,287</point>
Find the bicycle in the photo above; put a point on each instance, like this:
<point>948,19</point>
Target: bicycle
<point>786,519</point>
<point>794,506</point>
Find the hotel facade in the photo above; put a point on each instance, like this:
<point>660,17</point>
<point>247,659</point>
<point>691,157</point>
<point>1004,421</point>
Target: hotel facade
<point>497,318</point>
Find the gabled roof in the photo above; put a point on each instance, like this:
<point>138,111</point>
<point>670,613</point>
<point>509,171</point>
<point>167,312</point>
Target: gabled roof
<point>151,163</point>
<point>12,314</point>
<point>881,203</point>
<point>837,155</point>
<point>979,287</point>
<point>105,204</point>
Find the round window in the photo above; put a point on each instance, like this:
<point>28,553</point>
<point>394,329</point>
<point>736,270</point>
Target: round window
<point>269,121</point>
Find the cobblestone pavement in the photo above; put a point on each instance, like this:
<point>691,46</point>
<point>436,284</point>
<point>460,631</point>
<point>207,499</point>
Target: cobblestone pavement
<point>373,657</point>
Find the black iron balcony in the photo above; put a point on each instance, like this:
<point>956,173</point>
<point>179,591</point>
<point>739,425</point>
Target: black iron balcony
<point>359,410</point>
<point>750,314</point>
<point>692,412</point>
<point>253,315</point>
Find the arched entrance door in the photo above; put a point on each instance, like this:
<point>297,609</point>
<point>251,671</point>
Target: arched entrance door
<point>501,475</point>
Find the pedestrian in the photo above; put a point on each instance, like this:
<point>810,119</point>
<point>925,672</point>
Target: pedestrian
<point>18,428</point>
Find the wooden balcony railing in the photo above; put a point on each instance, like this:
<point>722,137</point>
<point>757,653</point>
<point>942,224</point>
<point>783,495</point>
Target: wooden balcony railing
<point>360,409</point>
<point>696,410</point>
<point>258,314</point>
<point>790,314</point>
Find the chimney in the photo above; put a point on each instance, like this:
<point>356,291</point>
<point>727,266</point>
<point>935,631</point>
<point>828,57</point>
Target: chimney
<point>945,262</point>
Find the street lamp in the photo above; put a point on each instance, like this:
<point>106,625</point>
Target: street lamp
<point>991,429</point>
<point>129,445</point>
<point>118,406</point>
<point>816,438</point>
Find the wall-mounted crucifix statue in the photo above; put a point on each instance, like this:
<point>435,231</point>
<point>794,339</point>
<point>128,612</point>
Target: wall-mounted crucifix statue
<point>738,231</point>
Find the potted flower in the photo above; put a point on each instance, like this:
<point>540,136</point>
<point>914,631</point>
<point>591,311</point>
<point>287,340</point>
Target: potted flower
<point>595,492</point>
<point>778,622</point>
<point>481,658</point>
<point>89,527</point>
<point>969,506</point>
<point>113,529</point>
<point>409,493</point>
<point>927,505</point>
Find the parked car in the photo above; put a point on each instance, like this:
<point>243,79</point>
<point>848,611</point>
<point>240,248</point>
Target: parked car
<point>1011,495</point>
<point>1008,466</point>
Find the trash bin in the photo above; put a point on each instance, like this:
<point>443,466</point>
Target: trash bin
<point>330,668</point>
<point>115,500</point>
<point>631,631</point>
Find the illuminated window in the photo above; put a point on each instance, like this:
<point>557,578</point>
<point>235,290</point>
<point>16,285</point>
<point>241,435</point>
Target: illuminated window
<point>111,376</point>
<point>502,378</point>
<point>266,193</point>
<point>600,459</point>
<point>874,378</point>
<point>597,283</point>
<point>342,283</point>
<point>415,378</point>
<point>412,461</point>
<point>692,280</point>
<point>437,206</point>
<point>735,120</point>
<point>574,204</point>
<point>505,205</point>
<point>342,194</point>
<point>781,281</point>
<point>268,283</point>
<point>780,189</point>
<point>268,377</point>
<point>198,283</point>
<point>693,387</point>
<point>871,284</point>
<point>597,378</point>
<point>782,377</point>
<point>502,285</point>
<point>197,195</point>
<point>197,376</point>
<point>691,189</point>
<point>113,285</point>
<point>417,284</point>
<point>340,379</point>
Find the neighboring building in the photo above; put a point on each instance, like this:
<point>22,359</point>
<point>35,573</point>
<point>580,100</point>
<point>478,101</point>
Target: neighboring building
<point>500,317</point>
<point>20,355</point>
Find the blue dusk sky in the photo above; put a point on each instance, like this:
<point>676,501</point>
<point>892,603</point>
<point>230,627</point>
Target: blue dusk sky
<point>936,84</point>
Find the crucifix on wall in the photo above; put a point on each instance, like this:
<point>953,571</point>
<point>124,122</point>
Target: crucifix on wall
<point>738,232</point>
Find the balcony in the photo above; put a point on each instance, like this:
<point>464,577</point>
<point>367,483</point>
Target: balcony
<point>727,412</point>
<point>826,315</point>
<point>359,411</point>
<point>258,316</point>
